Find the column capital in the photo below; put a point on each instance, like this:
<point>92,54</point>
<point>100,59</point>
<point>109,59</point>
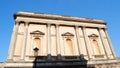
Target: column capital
<point>76,26</point>
<point>83,26</point>
<point>26,23</point>
<point>17,22</point>
<point>105,28</point>
<point>101,28</point>
<point>48,24</point>
<point>57,24</point>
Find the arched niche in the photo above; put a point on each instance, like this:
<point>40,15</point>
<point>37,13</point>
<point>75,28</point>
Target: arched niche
<point>95,45</point>
<point>68,43</point>
<point>37,41</point>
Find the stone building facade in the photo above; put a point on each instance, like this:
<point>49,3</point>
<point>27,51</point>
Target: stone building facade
<point>38,34</point>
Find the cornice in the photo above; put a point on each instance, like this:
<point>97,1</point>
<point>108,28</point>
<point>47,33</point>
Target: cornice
<point>58,17</point>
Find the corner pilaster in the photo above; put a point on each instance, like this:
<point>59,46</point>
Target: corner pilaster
<point>110,44</point>
<point>102,40</point>
<point>13,41</point>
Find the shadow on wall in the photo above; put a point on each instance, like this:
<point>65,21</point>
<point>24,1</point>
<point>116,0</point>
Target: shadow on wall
<point>60,61</point>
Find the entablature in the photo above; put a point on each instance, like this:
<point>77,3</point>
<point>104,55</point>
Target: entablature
<point>58,22</point>
<point>57,17</point>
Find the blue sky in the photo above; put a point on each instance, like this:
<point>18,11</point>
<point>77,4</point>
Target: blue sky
<point>107,10</point>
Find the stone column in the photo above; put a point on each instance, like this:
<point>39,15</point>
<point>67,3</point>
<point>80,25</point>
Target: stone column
<point>24,42</point>
<point>58,39</point>
<point>78,39</point>
<point>49,38</point>
<point>110,44</point>
<point>86,42</point>
<point>102,39</point>
<point>13,41</point>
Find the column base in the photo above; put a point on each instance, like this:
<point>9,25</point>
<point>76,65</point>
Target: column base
<point>9,60</point>
<point>21,60</point>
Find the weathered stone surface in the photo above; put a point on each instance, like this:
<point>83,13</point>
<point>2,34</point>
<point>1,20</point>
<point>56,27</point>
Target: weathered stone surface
<point>59,37</point>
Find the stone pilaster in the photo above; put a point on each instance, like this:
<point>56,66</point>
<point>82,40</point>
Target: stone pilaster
<point>24,42</point>
<point>102,40</point>
<point>87,43</point>
<point>13,41</point>
<point>49,38</point>
<point>110,44</point>
<point>78,40</point>
<point>58,39</point>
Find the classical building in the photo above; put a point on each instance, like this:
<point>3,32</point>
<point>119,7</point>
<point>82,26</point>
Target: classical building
<point>57,39</point>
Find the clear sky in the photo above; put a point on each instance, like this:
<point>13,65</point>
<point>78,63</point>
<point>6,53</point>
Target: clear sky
<point>107,10</point>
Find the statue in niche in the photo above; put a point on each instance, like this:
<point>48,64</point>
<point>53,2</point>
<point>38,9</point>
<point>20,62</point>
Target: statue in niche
<point>37,40</point>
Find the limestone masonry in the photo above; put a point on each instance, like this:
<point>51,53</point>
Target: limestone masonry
<point>38,34</point>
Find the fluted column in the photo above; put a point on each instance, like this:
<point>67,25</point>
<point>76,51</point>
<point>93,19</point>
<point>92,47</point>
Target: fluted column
<point>24,41</point>
<point>110,44</point>
<point>58,39</point>
<point>13,41</point>
<point>78,39</point>
<point>87,43</point>
<point>49,38</point>
<point>102,39</point>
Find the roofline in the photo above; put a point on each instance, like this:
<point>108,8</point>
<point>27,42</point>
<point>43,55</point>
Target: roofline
<point>57,17</point>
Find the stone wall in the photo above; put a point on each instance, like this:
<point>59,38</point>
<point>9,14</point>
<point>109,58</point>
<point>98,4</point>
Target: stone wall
<point>1,64</point>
